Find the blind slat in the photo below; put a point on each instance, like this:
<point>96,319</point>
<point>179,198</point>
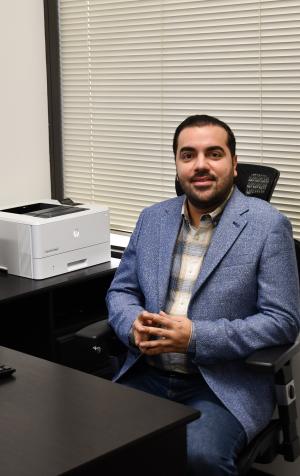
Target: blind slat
<point>131,71</point>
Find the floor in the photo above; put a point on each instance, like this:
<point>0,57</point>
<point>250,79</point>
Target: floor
<point>279,467</point>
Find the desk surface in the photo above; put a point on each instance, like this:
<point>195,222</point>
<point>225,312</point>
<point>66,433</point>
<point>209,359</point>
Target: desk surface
<point>54,418</point>
<point>12,287</point>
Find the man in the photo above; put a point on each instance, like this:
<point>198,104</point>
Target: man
<point>202,284</point>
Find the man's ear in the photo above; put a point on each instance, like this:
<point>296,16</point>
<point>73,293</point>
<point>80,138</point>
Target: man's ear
<point>234,163</point>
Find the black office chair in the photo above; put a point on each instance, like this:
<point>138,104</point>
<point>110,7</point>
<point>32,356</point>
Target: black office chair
<point>280,436</point>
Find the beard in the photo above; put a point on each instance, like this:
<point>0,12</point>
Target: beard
<point>211,197</point>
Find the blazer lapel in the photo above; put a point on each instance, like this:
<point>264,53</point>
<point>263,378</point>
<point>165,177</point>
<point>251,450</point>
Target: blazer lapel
<point>169,227</point>
<point>231,224</point>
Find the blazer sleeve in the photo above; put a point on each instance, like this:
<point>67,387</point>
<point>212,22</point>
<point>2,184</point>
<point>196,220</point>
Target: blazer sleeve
<point>277,319</point>
<point>124,299</point>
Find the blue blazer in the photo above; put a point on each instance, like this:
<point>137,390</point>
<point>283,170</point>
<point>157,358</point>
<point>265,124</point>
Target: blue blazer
<point>246,296</point>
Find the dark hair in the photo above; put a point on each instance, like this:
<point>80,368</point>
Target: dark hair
<point>204,120</point>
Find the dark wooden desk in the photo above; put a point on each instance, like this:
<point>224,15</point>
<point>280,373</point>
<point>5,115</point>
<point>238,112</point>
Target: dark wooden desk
<point>13,287</point>
<point>40,317</point>
<point>55,420</point>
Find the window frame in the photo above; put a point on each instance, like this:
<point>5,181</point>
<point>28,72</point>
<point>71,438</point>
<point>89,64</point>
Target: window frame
<point>51,22</point>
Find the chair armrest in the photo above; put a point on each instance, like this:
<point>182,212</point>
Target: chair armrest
<point>273,359</point>
<point>101,337</point>
<point>277,360</point>
<point>97,331</point>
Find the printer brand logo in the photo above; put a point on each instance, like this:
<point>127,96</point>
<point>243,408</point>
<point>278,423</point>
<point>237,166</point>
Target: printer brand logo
<point>76,233</point>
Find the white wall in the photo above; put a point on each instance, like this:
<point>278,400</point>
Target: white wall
<point>24,149</point>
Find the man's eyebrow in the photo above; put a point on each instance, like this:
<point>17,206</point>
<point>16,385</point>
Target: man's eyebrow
<point>215,147</point>
<point>187,149</point>
<point>209,149</point>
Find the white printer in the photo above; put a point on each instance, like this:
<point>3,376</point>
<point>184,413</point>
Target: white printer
<point>44,239</point>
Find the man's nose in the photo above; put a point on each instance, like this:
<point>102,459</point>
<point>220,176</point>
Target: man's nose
<point>201,162</point>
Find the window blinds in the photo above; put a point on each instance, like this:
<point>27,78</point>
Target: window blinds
<point>132,70</point>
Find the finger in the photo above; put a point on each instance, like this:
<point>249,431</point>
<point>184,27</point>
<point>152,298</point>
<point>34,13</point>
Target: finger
<point>173,318</point>
<point>137,339</point>
<point>140,337</point>
<point>163,313</point>
<point>145,321</point>
<point>156,343</point>
<point>162,320</point>
<point>141,330</point>
<point>138,326</point>
<point>146,317</point>
<point>159,332</point>
<point>155,347</point>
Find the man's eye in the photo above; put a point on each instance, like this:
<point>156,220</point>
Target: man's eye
<point>215,154</point>
<point>187,155</point>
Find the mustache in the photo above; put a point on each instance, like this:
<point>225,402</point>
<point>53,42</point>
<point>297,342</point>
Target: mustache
<point>202,175</point>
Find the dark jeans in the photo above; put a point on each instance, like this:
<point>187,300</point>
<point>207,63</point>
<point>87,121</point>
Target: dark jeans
<point>216,438</point>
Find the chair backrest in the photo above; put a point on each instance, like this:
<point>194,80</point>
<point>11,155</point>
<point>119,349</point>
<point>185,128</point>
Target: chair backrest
<point>254,180</point>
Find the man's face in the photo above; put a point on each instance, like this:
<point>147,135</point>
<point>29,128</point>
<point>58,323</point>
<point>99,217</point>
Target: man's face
<point>204,165</point>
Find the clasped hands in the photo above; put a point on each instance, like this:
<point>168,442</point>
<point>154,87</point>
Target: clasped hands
<point>159,333</point>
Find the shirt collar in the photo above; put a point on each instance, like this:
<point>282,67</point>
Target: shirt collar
<point>215,215</point>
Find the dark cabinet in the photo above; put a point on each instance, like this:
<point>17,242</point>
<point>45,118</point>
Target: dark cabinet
<point>41,317</point>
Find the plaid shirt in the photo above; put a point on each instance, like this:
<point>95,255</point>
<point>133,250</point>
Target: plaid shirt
<point>190,249</point>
